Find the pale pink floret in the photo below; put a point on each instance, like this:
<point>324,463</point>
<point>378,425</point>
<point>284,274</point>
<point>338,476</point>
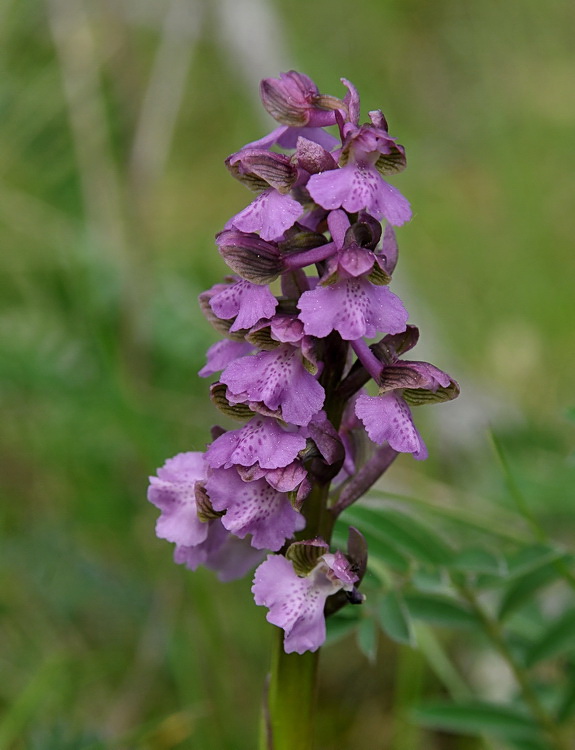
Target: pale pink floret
<point>354,307</point>
<point>173,492</point>
<point>253,508</point>
<point>220,354</point>
<point>197,543</point>
<point>246,302</point>
<point>229,556</point>
<point>279,380</point>
<point>359,186</point>
<point>262,440</point>
<point>195,555</point>
<point>296,603</point>
<point>270,214</point>
<point>388,418</point>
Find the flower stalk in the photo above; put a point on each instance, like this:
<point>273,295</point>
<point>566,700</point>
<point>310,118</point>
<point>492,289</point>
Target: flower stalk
<point>290,700</point>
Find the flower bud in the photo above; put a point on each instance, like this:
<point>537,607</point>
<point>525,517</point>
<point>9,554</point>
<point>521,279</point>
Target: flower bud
<point>222,326</point>
<point>293,99</point>
<point>259,169</point>
<point>218,396</point>
<point>251,257</point>
<point>312,157</point>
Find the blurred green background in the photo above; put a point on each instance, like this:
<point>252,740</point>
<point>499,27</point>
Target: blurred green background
<point>115,119</point>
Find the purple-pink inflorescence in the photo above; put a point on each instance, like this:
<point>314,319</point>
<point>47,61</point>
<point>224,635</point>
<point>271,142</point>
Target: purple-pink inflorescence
<point>310,268</point>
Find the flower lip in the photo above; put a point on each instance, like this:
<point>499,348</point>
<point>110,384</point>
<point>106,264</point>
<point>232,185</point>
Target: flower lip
<point>276,379</point>
<point>296,602</point>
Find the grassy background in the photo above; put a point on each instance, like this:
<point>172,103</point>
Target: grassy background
<point>114,126</point>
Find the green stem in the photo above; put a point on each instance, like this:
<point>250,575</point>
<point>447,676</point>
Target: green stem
<point>289,710</point>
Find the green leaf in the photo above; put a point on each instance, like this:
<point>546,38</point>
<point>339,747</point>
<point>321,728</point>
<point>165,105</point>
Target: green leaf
<point>429,580</point>
<point>492,523</point>
<point>532,557</point>
<point>530,744</point>
<point>367,638</point>
<point>403,531</point>
<point>340,625</point>
<point>523,588</point>
<point>558,639</point>
<point>476,718</point>
<point>440,610</point>
<point>480,561</point>
<point>394,618</point>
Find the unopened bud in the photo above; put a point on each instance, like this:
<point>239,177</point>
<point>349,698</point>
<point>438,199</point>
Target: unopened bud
<point>251,257</point>
<point>259,169</point>
<point>293,99</point>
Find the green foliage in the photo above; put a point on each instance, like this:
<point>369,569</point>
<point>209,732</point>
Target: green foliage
<point>478,718</point>
<point>558,639</point>
<point>495,594</point>
<point>395,618</point>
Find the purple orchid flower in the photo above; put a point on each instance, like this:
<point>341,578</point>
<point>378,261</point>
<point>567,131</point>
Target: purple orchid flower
<point>387,417</point>
<point>278,379</point>
<point>296,603</point>
<point>353,305</point>
<point>270,214</point>
<point>254,508</point>
<point>294,362</point>
<point>243,301</point>
<point>367,151</point>
<point>262,449</point>
<point>294,100</point>
<point>274,211</point>
<point>261,441</point>
<point>197,542</point>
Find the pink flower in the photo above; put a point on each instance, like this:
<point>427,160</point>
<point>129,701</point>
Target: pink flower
<point>197,542</point>
<point>279,380</point>
<point>295,602</point>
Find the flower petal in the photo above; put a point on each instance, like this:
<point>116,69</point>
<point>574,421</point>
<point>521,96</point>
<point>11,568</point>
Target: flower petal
<point>270,214</point>
<point>294,603</point>
<point>353,307</point>
<point>194,555</point>
<point>220,354</point>
<point>359,186</point>
<point>260,441</point>
<point>246,302</point>
<point>279,380</point>
<point>173,491</point>
<point>253,508</point>
<point>236,558</point>
<point>388,418</point>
